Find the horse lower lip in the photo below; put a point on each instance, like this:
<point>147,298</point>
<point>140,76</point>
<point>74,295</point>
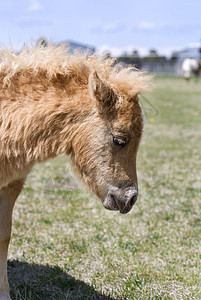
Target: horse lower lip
<point>125,210</point>
<point>110,208</point>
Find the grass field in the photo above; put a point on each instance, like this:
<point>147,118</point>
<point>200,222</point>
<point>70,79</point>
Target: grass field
<point>65,245</point>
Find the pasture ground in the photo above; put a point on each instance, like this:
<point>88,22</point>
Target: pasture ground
<point>65,245</point>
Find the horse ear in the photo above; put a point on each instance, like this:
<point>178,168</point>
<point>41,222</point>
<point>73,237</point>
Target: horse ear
<point>104,95</point>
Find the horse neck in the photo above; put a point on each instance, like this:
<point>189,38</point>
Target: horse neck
<point>42,129</point>
<point>55,129</point>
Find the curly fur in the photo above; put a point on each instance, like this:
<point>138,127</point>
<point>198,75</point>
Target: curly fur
<point>52,103</point>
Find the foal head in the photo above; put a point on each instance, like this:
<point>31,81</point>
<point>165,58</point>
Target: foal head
<point>105,149</point>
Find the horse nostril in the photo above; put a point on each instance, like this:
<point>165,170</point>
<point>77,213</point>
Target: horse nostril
<point>116,202</point>
<point>113,202</point>
<point>133,200</point>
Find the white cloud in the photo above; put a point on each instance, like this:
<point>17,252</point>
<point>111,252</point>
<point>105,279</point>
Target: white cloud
<point>146,25</point>
<point>34,5</point>
<point>114,27</point>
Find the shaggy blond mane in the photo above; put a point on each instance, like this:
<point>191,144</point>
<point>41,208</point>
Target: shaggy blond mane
<point>53,62</point>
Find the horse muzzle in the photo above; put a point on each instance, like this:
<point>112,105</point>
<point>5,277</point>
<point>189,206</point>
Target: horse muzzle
<point>121,199</point>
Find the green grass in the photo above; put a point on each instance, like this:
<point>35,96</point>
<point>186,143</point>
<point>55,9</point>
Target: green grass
<point>65,245</point>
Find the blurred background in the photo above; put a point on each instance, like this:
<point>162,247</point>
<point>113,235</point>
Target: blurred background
<point>155,35</point>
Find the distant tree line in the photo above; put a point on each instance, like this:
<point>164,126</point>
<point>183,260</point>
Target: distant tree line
<point>138,61</point>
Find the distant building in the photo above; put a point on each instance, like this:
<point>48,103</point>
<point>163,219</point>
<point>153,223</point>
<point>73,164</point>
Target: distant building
<point>192,51</point>
<point>72,46</point>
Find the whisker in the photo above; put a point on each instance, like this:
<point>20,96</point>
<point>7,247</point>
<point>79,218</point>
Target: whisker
<point>151,107</point>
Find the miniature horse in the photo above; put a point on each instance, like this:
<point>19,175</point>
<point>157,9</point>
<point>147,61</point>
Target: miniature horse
<point>191,66</point>
<point>52,103</point>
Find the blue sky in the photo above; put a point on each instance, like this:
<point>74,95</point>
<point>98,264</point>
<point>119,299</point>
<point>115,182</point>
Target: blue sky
<point>116,25</point>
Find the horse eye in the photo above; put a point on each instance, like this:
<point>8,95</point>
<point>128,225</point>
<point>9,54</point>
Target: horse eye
<point>119,141</point>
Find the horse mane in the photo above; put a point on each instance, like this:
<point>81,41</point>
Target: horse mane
<point>54,62</point>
